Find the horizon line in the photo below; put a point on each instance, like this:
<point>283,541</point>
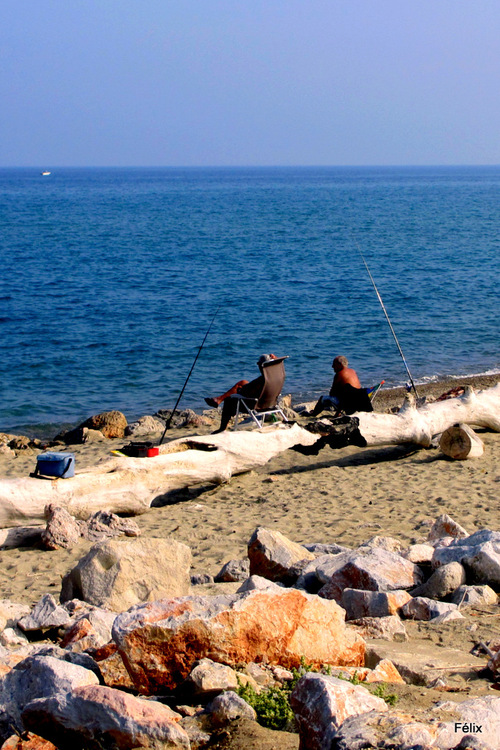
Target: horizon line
<point>250,166</point>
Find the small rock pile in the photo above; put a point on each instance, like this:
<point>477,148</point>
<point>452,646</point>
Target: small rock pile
<point>150,656</point>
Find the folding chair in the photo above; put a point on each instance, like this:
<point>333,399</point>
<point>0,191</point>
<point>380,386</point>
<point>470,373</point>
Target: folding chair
<point>266,404</point>
<point>372,392</point>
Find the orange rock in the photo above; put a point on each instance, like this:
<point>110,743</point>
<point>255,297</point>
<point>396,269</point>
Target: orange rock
<point>81,632</point>
<point>160,641</point>
<point>112,424</point>
<point>114,672</point>
<point>385,671</point>
<point>27,741</point>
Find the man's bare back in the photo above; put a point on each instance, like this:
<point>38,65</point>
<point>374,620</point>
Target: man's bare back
<point>343,376</point>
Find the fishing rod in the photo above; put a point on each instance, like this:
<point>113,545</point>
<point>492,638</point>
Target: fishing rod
<point>169,420</point>
<point>387,317</point>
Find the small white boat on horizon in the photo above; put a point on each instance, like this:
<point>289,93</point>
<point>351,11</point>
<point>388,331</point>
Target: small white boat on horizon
<point>45,173</point>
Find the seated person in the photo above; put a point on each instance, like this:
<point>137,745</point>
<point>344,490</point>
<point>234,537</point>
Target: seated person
<point>251,389</point>
<point>346,394</point>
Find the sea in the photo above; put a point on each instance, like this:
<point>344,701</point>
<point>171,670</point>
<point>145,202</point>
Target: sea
<point>116,281</point>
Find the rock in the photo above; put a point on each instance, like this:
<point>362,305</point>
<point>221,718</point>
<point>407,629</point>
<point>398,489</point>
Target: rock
<point>272,555</point>
<point>442,582</point>
<point>234,570</point>
<point>98,714</point>
<point>91,631</point>
<point>483,712</point>
<point>27,741</point>
<point>102,525</point>
<point>261,676</point>
<point>420,662</point>
<point>20,443</point>
<point>45,615</point>
<point>451,553</point>
<point>6,451</point>
<point>160,641</point>
<point>478,553</point>
<point>494,662</point>
<point>377,729</point>
<point>36,677</point>
<point>384,542</point>
<point>198,738</point>
<point>12,638</point>
<point>371,569</point>
<point>112,424</point>
<point>62,530</point>
<point>321,704</point>
<point>200,579</point>
<point>190,418</point>
<point>13,612</point>
<point>444,541</point>
<point>389,628</point>
<point>146,425</point>
<point>422,608</point>
<point>452,614</point>
<point>118,574</point>
<point>474,596</point>
<point>359,603</point>
<point>228,707</point>
<point>78,436</point>
<point>385,671</point>
<point>210,677</point>
<point>485,564</point>
<point>55,652</point>
<point>112,669</point>
<point>317,572</point>
<point>445,526</point>
<point>282,675</point>
<point>326,549</point>
<point>419,553</point>
<point>92,436</point>
<point>258,583</point>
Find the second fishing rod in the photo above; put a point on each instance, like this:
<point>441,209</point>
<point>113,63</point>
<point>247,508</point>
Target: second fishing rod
<point>387,317</point>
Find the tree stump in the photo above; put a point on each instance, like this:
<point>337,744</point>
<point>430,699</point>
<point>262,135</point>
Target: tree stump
<point>460,441</point>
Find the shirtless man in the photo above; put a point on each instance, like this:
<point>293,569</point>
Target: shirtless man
<point>346,394</point>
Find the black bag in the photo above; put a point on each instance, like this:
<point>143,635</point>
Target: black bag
<point>137,450</point>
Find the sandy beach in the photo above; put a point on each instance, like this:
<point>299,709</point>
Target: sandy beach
<point>344,496</point>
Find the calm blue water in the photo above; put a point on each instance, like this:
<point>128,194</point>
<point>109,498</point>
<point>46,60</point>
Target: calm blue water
<point>110,278</point>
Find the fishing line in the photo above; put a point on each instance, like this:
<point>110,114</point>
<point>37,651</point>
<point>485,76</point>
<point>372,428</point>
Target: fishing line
<point>387,317</point>
<point>169,420</point>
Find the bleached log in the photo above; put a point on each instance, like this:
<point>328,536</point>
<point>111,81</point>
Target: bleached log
<point>460,442</point>
<point>21,536</point>
<point>129,485</point>
<point>412,425</point>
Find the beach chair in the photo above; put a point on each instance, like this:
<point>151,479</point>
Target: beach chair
<point>372,392</point>
<point>257,409</point>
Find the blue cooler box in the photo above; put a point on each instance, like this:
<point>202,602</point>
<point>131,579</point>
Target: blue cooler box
<point>56,465</point>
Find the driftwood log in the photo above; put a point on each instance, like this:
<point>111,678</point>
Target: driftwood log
<point>460,442</point>
<point>410,425</point>
<point>420,426</point>
<point>129,485</point>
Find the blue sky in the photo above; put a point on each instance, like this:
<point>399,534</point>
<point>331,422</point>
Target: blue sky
<point>249,82</point>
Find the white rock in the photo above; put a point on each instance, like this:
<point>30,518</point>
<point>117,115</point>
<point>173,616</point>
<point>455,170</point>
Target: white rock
<point>228,707</point>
